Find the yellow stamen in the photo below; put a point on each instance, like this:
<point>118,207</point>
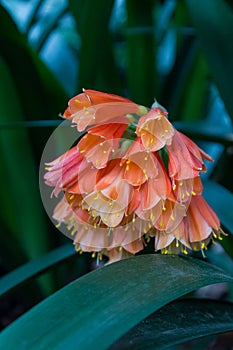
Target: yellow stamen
<point>152,217</point>
<point>184,251</point>
<point>73,231</point>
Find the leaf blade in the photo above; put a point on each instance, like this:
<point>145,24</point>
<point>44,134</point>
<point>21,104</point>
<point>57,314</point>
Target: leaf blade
<point>101,306</point>
<point>178,322</point>
<point>35,267</point>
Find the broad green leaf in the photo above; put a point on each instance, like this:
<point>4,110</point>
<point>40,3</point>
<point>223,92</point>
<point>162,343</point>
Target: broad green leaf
<point>180,321</point>
<point>98,308</point>
<point>35,267</point>
<point>213,22</point>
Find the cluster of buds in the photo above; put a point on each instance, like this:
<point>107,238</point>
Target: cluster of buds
<point>130,178</point>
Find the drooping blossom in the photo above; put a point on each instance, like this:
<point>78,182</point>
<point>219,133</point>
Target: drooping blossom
<point>185,163</point>
<point>94,108</point>
<point>195,231</point>
<point>155,130</point>
<point>119,190</point>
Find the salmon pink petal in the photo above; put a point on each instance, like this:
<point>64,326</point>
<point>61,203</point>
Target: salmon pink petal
<point>107,175</point>
<point>102,113</point>
<point>185,158</point>
<point>163,240</point>
<point>89,98</point>
<point>96,149</point>
<point>185,189</point>
<point>109,130</point>
<point>155,130</point>
<point>135,201</point>
<point>63,172</point>
<point>116,254</point>
<point>134,247</point>
<point>202,219</point>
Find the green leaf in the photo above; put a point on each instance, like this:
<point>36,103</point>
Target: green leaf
<point>97,309</point>
<point>213,22</point>
<point>35,267</point>
<point>180,321</point>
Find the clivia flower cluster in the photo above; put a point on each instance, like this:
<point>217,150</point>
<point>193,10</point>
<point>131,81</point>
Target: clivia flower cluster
<point>130,178</point>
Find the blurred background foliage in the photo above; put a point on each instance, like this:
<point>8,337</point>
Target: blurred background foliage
<point>177,51</point>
